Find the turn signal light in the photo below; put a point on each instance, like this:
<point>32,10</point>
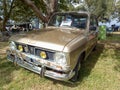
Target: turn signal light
<point>43,54</point>
<point>20,48</point>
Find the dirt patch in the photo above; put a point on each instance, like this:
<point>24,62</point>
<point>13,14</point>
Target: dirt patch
<point>3,48</point>
<point>116,32</point>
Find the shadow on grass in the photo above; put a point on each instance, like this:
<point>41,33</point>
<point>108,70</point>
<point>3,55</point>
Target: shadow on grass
<point>114,38</point>
<point>114,43</point>
<point>6,69</point>
<point>90,63</point>
<point>86,68</point>
<point>117,57</point>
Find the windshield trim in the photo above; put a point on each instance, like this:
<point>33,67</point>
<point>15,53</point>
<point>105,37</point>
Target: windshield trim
<point>70,14</point>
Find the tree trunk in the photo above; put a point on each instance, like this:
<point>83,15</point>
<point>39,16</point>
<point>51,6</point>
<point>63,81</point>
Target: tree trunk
<point>7,14</point>
<point>4,34</point>
<point>51,7</point>
<point>4,24</point>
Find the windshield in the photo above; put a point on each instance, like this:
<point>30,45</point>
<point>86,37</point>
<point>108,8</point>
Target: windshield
<point>69,20</point>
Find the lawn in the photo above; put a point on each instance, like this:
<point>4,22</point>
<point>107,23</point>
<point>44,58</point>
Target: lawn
<point>101,71</point>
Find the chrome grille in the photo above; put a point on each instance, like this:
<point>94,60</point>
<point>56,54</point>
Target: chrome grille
<point>36,51</point>
<point>31,49</point>
<point>50,55</point>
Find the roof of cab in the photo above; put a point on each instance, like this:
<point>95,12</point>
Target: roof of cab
<point>74,12</point>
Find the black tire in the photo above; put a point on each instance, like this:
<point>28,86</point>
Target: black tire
<point>76,77</point>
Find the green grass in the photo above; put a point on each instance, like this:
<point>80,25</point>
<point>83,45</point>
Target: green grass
<point>101,71</point>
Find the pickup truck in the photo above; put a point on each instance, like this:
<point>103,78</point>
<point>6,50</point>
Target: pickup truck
<point>58,50</point>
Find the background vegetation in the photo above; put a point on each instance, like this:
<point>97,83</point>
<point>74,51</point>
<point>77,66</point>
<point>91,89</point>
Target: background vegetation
<point>25,10</point>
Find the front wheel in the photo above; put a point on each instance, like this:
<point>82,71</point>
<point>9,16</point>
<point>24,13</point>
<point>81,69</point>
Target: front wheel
<point>76,70</point>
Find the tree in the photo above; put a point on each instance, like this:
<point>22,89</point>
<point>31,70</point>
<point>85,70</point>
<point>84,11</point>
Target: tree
<point>1,24</point>
<point>45,8</point>
<point>8,5</point>
<point>6,10</point>
<point>100,8</point>
<point>117,9</point>
<point>21,12</point>
<point>37,11</point>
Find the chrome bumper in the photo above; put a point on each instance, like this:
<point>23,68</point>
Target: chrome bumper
<point>41,69</point>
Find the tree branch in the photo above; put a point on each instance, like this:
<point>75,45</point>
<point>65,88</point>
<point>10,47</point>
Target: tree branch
<point>36,10</point>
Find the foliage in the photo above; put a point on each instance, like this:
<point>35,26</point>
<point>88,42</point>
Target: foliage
<point>117,9</point>
<point>6,9</point>
<point>21,12</point>
<point>101,8</point>
<point>45,8</point>
<point>25,10</point>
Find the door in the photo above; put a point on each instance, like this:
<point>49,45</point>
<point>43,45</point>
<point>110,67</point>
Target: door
<point>92,34</point>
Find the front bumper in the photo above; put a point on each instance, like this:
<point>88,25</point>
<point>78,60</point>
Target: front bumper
<point>38,65</point>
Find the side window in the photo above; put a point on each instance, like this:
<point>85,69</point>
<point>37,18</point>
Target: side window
<point>93,23</point>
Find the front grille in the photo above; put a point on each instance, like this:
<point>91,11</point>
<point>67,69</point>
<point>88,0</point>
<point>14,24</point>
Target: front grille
<point>24,46</point>
<point>31,49</point>
<point>50,55</point>
<point>36,51</point>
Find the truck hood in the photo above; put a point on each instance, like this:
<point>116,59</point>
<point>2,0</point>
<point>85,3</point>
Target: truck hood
<point>49,38</point>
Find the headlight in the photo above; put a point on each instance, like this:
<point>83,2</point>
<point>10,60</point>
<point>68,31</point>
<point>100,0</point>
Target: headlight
<point>12,45</point>
<point>60,58</point>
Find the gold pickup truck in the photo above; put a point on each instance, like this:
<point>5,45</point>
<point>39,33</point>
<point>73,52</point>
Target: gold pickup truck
<point>57,50</point>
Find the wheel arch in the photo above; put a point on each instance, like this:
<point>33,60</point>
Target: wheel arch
<point>83,54</point>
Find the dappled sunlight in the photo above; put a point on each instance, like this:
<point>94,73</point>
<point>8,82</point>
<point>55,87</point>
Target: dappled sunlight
<point>91,61</point>
<point>113,43</point>
<point>3,51</point>
<point>3,47</point>
<point>6,69</point>
<point>117,58</point>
